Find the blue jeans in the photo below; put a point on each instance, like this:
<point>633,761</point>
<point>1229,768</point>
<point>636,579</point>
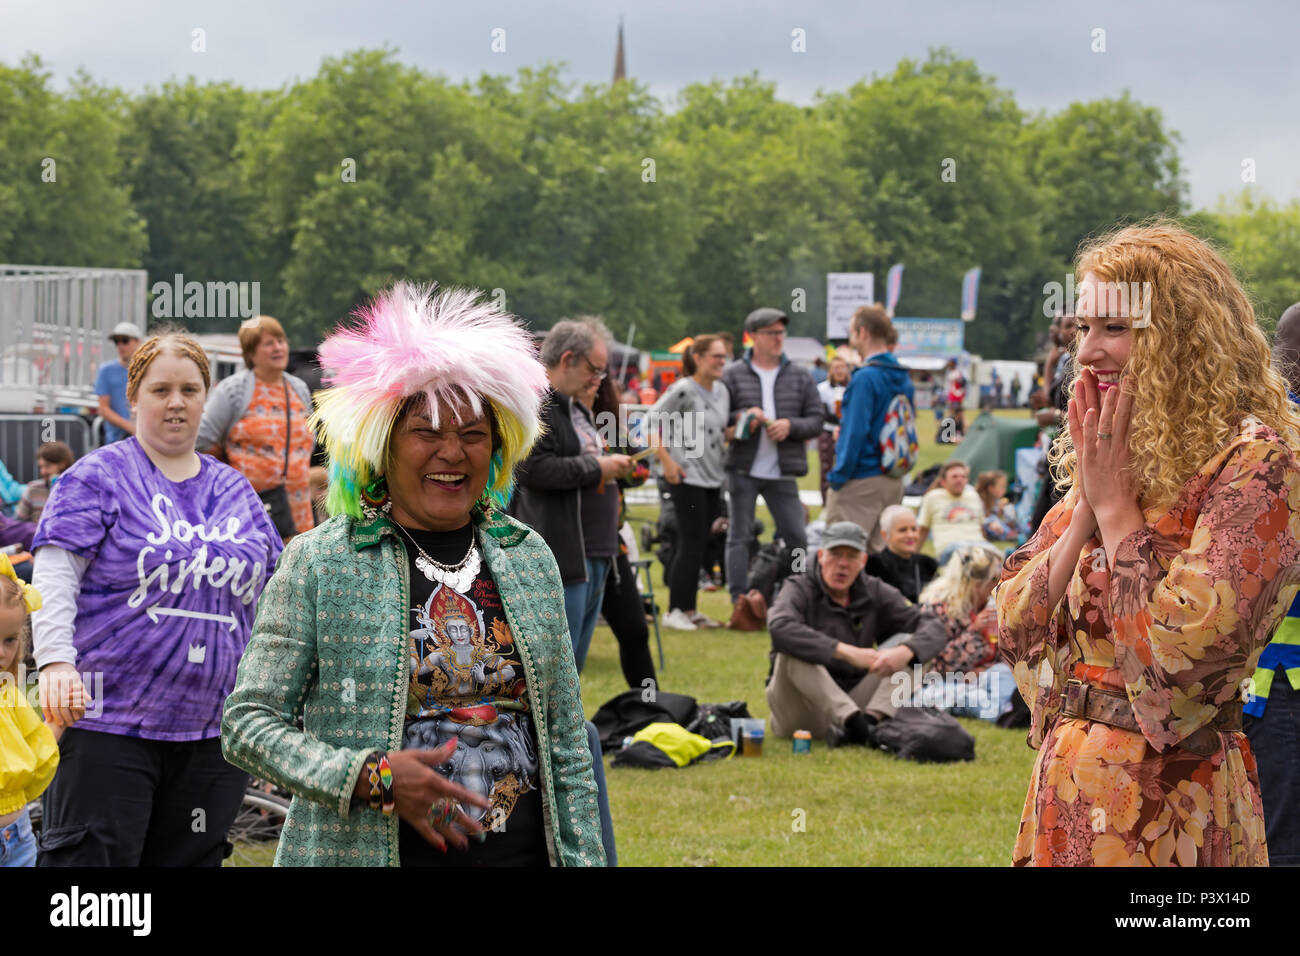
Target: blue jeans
<point>17,843</point>
<point>1275,740</point>
<point>582,607</point>
<point>988,698</point>
<point>602,796</point>
<point>782,498</point>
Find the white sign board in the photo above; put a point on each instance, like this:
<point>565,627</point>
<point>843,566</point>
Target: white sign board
<point>846,292</point>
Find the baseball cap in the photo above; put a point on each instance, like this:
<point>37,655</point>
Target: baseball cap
<point>762,318</point>
<point>126,330</point>
<point>844,534</point>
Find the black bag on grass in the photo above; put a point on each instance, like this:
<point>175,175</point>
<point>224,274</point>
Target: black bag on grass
<point>769,568</point>
<point>625,714</point>
<point>925,735</point>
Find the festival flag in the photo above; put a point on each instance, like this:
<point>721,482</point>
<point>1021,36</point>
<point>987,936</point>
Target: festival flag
<point>970,284</point>
<point>893,287</point>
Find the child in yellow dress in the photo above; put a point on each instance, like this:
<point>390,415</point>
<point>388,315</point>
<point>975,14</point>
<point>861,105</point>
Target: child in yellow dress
<point>28,753</point>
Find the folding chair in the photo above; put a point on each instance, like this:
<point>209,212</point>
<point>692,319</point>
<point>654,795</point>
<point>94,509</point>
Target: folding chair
<point>643,575</point>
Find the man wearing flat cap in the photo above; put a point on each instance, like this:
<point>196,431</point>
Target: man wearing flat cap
<point>837,636</point>
<point>775,410</point>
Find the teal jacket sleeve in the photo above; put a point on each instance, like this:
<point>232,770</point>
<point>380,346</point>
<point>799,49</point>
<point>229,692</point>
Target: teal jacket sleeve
<point>279,668</point>
<point>577,825</point>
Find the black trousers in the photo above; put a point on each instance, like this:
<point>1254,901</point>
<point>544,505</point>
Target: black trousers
<point>695,509</point>
<point>625,615</point>
<point>126,801</point>
<point>1275,740</point>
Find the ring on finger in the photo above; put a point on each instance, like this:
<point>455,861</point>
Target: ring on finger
<point>1107,436</point>
<point>442,812</point>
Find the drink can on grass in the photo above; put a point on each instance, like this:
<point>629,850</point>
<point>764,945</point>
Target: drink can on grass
<point>802,741</point>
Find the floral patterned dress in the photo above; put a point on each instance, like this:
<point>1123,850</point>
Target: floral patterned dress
<point>968,650</point>
<point>1177,626</point>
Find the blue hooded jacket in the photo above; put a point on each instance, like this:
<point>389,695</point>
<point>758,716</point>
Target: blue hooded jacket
<point>871,389</point>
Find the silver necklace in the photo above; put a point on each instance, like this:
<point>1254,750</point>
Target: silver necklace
<point>458,576</point>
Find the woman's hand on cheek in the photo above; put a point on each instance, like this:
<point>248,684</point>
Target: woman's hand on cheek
<point>1107,476</point>
<point>1083,517</point>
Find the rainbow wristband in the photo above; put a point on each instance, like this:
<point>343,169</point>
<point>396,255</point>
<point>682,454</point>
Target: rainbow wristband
<point>372,776</point>
<point>386,781</point>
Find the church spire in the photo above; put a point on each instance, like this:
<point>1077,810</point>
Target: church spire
<point>620,63</point>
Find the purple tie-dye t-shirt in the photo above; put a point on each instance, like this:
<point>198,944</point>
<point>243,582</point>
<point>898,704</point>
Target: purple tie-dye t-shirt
<point>166,605</point>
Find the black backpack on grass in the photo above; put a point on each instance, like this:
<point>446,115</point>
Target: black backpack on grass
<point>769,568</point>
<point>925,735</point>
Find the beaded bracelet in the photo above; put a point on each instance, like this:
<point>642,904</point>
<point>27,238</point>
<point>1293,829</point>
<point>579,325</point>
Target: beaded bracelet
<point>386,779</point>
<point>372,775</point>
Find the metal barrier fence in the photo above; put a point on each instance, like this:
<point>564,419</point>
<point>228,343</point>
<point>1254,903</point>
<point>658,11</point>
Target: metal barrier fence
<point>54,328</point>
<point>22,435</point>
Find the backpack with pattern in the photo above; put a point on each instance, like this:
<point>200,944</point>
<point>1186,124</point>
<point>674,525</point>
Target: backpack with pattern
<point>898,444</point>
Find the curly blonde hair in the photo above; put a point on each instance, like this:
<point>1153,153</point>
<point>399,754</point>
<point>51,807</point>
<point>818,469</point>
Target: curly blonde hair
<point>1199,368</point>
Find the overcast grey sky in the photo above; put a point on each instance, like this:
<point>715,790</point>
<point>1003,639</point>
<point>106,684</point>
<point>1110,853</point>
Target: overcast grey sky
<point>1226,76</point>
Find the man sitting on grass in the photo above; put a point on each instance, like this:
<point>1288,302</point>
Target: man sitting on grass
<point>951,511</point>
<point>837,635</point>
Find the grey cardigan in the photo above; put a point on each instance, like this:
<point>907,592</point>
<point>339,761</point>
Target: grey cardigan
<point>228,402</point>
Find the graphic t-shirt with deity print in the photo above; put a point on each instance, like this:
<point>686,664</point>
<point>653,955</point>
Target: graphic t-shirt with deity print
<point>167,602</point>
<point>467,682</point>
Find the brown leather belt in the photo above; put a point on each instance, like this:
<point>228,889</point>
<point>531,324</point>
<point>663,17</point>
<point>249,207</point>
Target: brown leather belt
<point>1090,702</point>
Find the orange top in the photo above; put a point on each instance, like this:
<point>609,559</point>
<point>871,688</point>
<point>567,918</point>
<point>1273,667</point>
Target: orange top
<point>255,447</point>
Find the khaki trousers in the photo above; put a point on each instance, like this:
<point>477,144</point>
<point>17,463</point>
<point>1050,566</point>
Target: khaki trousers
<point>861,501</point>
<point>804,696</point>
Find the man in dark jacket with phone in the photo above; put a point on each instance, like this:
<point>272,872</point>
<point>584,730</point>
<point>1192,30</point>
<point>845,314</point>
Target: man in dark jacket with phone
<point>566,486</point>
<point>775,410</point>
<point>837,636</point>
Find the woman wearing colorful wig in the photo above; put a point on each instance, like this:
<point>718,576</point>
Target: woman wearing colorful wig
<point>1135,615</point>
<point>419,634</point>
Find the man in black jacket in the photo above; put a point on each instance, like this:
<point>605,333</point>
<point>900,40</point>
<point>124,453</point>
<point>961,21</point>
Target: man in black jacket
<point>775,410</point>
<point>837,635</point>
<point>567,486</point>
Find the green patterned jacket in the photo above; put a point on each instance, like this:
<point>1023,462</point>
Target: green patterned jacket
<point>329,646</point>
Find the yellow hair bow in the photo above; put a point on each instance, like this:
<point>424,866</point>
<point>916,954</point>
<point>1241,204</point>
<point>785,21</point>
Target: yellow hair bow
<point>31,596</point>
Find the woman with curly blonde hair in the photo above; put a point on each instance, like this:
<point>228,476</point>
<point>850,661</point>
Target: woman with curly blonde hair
<point>1134,616</point>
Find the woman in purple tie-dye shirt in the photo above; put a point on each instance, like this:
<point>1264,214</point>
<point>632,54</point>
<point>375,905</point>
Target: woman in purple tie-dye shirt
<point>152,558</point>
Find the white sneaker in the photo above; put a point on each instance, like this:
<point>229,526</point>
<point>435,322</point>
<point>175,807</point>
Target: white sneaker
<point>677,620</point>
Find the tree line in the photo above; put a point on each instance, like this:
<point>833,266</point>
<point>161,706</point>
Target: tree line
<point>674,217</point>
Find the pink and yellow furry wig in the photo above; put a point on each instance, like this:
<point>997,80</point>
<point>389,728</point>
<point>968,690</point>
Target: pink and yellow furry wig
<point>448,345</point>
